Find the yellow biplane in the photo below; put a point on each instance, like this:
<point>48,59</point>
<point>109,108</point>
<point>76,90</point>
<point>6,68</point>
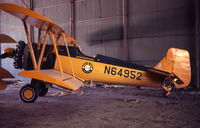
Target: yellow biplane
<point>69,68</point>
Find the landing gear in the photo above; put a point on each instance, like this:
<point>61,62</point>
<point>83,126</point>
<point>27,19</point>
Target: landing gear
<point>30,92</point>
<point>167,86</point>
<point>42,88</point>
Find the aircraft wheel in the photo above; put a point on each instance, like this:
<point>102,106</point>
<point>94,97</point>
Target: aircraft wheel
<point>42,87</point>
<point>28,93</point>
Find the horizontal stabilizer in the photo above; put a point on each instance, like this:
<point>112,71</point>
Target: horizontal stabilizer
<point>159,72</point>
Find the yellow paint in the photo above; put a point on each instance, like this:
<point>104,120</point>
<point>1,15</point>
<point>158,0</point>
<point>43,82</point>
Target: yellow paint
<point>54,77</point>
<point>89,70</point>
<point>30,46</point>
<point>9,50</point>
<point>98,74</point>
<point>177,62</point>
<point>43,49</point>
<point>70,61</point>
<point>28,93</point>
<point>56,51</point>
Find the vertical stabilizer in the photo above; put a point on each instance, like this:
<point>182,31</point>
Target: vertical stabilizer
<point>177,63</point>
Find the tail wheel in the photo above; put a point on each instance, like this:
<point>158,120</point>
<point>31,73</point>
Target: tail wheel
<point>29,93</point>
<point>167,86</point>
<point>42,87</point>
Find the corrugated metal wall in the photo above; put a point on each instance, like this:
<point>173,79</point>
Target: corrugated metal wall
<point>99,26</point>
<point>156,25</point>
<point>153,26</point>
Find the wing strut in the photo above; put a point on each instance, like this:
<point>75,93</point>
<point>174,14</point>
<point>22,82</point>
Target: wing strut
<point>64,38</point>
<point>42,51</point>
<point>30,45</point>
<point>56,51</point>
<point>39,42</point>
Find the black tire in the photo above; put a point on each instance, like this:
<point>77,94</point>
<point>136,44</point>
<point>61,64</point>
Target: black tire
<point>42,87</point>
<point>28,93</point>
<point>43,90</point>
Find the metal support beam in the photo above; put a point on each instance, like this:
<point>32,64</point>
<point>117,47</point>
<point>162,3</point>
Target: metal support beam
<point>72,18</point>
<point>124,17</point>
<point>197,35</point>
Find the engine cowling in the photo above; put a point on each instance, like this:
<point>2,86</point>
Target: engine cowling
<point>22,58</point>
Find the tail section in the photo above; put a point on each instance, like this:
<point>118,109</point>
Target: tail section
<point>177,63</point>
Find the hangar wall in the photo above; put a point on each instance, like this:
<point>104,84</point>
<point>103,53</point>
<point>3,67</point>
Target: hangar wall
<point>13,27</point>
<point>153,26</point>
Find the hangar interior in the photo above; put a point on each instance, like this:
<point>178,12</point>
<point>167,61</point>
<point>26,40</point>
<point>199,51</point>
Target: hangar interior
<point>138,31</point>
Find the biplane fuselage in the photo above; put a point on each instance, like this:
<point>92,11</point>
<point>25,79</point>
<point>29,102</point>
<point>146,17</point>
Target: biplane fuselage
<point>73,63</point>
<point>106,69</point>
<point>100,68</point>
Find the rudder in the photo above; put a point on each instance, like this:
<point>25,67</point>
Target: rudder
<point>177,63</point>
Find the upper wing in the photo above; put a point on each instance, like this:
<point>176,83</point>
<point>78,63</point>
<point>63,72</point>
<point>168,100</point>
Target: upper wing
<point>33,18</point>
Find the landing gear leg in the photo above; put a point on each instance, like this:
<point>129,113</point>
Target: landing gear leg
<point>42,87</point>
<point>168,91</point>
<point>167,86</point>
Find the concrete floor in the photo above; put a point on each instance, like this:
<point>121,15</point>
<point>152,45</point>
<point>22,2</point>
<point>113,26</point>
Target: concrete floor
<point>101,108</point>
